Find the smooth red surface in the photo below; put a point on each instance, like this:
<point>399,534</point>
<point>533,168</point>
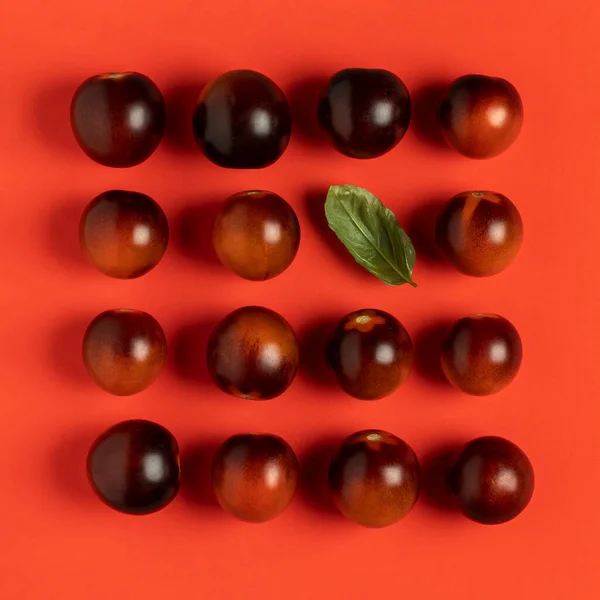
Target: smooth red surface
<point>59,542</point>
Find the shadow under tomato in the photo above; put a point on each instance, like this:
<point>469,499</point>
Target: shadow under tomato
<point>313,339</point>
<point>65,349</point>
<point>63,233</point>
<point>420,227</point>
<point>426,103</point>
<point>196,487</point>
<point>303,97</point>
<point>192,233</point>
<point>428,348</point>
<point>68,466</point>
<point>435,468</point>
<point>188,355</point>
<point>51,115</point>
<point>313,488</point>
<point>181,99</point>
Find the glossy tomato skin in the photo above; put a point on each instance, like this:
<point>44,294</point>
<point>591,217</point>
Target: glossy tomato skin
<point>256,235</point>
<point>124,351</point>
<point>371,354</point>
<point>124,234</point>
<point>482,354</point>
<point>242,120</point>
<point>480,233</point>
<point>374,478</point>
<point>118,119</point>
<point>254,476</point>
<point>365,111</point>
<point>134,467</point>
<point>481,116</point>
<point>493,480</point>
<point>253,354</point>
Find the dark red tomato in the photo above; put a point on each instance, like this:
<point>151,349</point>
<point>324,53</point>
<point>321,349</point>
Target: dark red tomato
<point>480,232</point>
<point>124,234</point>
<point>118,119</point>
<point>254,476</point>
<point>371,354</point>
<point>124,351</point>
<point>365,111</point>
<point>242,120</point>
<point>481,116</point>
<point>493,480</point>
<point>134,467</point>
<point>253,353</point>
<point>374,478</point>
<point>256,235</point>
<point>482,354</point>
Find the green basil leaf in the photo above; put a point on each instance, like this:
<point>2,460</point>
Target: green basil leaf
<point>371,233</point>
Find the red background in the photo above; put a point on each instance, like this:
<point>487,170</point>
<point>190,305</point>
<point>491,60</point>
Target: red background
<point>58,540</point>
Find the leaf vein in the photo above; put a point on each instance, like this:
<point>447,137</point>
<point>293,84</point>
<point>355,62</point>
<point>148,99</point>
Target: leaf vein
<point>377,249</point>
